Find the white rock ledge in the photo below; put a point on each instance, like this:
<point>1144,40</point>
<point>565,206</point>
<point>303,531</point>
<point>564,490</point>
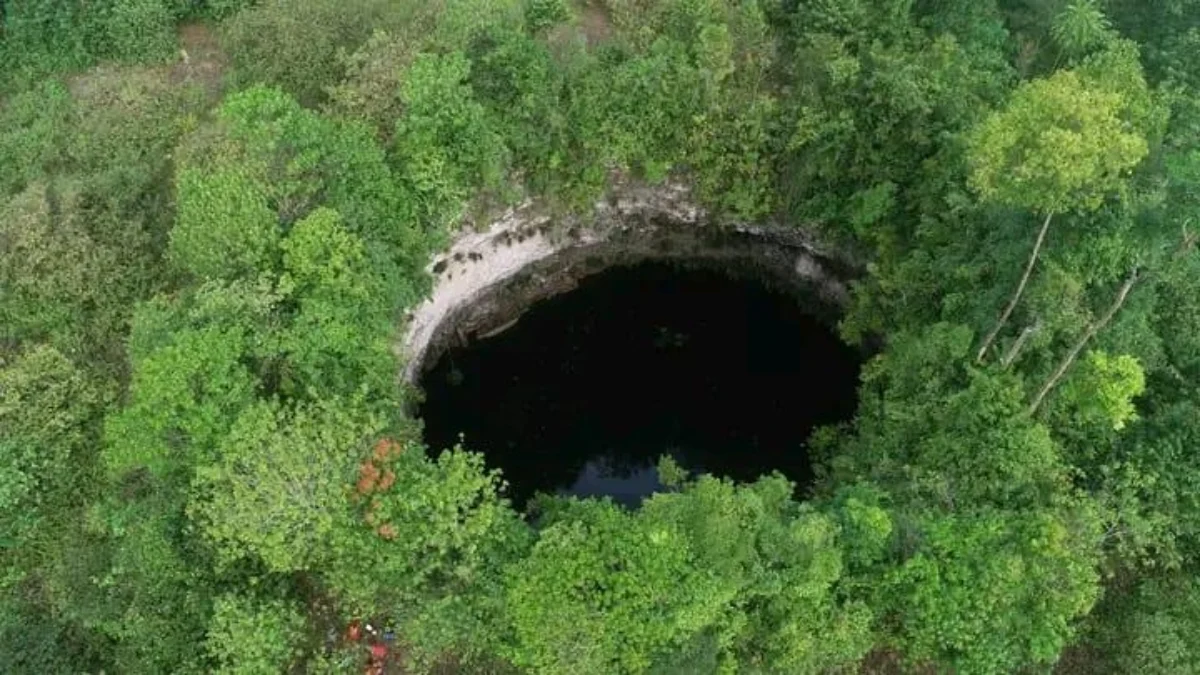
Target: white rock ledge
<point>485,280</point>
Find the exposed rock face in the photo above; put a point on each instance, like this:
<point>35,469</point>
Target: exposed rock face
<point>486,279</point>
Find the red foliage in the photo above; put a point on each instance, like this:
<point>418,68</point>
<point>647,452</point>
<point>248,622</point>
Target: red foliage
<point>367,475</point>
<point>371,479</point>
<point>387,449</point>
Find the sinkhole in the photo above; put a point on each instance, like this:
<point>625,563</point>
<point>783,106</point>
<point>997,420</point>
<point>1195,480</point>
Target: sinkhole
<point>589,388</point>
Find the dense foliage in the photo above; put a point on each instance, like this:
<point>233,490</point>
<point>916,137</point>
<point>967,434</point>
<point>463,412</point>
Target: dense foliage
<point>214,214</point>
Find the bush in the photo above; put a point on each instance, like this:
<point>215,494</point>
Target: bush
<point>542,14</point>
<point>220,9</point>
<point>41,36</point>
<point>33,128</point>
<point>295,44</point>
<point>1152,628</point>
<point>137,30</point>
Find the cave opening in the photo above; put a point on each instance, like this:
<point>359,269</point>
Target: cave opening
<point>585,392</point>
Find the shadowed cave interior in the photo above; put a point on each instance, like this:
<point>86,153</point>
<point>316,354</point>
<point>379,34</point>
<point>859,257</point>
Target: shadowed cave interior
<point>589,388</point>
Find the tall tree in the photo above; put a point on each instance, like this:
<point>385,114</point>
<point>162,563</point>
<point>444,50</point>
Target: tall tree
<point>1063,142</point>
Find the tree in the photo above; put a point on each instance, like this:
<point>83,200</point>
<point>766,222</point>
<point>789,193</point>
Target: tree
<point>1094,328</point>
<point>636,112</point>
<point>225,228</point>
<point>45,37</point>
<point>158,584</point>
<point>278,482</point>
<point>756,583</point>
<point>603,591</point>
<point>1060,143</point>
<point>306,161</point>
<point>294,45</point>
<point>92,167</point>
<point>374,75</point>
<point>336,342</point>
<point>445,142</point>
<point>932,430</point>
<point>1151,627</point>
<point>1104,394</point>
<point>1145,481</point>
<point>248,636</point>
<point>1081,26</point>
<point>48,415</point>
<point>54,272</point>
<point>137,30</point>
<point>540,15</point>
<point>729,154</point>
<point>427,541</point>
<point>1178,317</point>
<point>34,124</point>
<point>523,86</point>
<point>185,397</point>
<point>994,554</point>
<point>781,567</point>
<point>35,641</point>
<point>872,93</point>
<point>990,592</point>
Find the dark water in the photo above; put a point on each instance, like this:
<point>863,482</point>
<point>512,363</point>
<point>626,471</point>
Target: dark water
<point>589,388</point>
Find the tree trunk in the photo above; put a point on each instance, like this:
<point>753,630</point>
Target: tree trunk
<point>1012,303</point>
<point>1019,344</point>
<point>1094,328</point>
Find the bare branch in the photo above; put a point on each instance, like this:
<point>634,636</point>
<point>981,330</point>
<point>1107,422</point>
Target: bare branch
<point>1094,328</point>
<point>1019,344</point>
<point>1188,240</point>
<point>1016,297</point>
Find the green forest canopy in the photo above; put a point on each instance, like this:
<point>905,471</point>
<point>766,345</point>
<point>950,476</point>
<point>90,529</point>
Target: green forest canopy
<point>215,212</point>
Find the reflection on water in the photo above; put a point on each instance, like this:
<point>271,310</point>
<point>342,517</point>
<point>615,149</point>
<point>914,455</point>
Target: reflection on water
<point>590,388</point>
<point>625,486</point>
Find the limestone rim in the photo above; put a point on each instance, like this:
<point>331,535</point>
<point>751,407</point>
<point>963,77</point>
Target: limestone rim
<point>485,279</point>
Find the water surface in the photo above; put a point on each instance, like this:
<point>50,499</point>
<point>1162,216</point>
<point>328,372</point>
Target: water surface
<point>589,388</point>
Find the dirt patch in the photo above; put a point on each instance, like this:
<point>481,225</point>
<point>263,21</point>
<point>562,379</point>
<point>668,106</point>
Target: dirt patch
<point>111,84</point>
<point>1080,660</point>
<point>595,24</point>
<point>889,662</point>
<point>201,61</point>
